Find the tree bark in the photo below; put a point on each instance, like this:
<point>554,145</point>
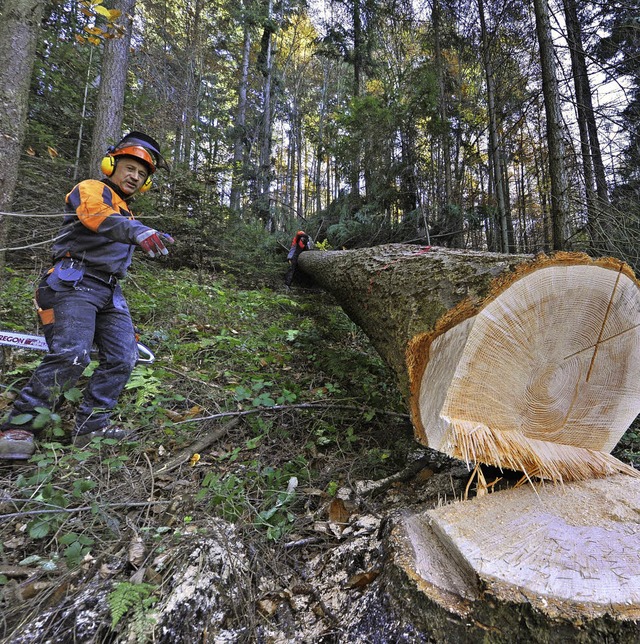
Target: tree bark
<point>436,15</point>
<point>494,145</point>
<point>19,27</point>
<point>598,197</point>
<point>555,142</point>
<point>113,82</point>
<point>186,151</point>
<point>395,292</point>
<point>523,363</point>
<point>240,133</point>
<point>264,169</point>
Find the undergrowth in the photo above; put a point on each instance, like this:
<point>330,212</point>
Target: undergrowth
<point>315,409</point>
<point>315,405</point>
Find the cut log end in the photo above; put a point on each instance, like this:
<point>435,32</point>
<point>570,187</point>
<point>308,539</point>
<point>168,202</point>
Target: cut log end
<point>543,376</point>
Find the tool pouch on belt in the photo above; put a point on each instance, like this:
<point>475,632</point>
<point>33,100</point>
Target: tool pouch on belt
<point>46,316</point>
<point>66,274</point>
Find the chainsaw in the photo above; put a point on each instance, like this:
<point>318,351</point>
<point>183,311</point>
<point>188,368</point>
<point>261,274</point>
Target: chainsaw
<point>38,343</point>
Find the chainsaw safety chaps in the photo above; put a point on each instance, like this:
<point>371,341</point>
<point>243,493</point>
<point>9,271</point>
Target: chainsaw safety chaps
<point>95,312</point>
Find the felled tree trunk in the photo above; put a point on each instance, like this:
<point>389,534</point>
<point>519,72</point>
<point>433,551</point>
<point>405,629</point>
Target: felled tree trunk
<point>526,363</point>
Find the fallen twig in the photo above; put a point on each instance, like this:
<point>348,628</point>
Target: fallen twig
<point>183,456</point>
<point>302,542</point>
<point>84,508</point>
<point>382,485</point>
<point>187,377</point>
<point>309,405</point>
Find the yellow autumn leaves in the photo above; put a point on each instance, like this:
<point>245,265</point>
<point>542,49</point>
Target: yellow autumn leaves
<point>96,34</point>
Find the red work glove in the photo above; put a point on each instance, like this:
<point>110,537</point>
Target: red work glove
<point>152,243</point>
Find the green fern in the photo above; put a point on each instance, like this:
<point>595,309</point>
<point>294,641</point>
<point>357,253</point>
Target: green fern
<point>126,596</point>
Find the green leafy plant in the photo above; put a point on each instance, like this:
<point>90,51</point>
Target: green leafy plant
<point>126,597</point>
<point>225,493</point>
<point>146,385</point>
<point>277,518</point>
<point>42,489</point>
<point>42,418</point>
<point>77,546</point>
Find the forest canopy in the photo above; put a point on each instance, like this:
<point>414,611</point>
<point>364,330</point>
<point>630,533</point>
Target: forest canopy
<point>506,127</point>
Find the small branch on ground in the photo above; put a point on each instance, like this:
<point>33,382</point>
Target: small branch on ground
<point>311,405</point>
<point>84,508</point>
<point>183,456</point>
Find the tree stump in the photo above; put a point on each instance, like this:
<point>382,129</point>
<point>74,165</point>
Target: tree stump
<point>527,363</point>
<point>547,564</point>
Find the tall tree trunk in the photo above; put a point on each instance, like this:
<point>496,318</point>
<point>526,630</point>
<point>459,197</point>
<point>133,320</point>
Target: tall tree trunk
<point>494,147</point>
<point>357,47</point>
<point>408,179</point>
<point>445,160</point>
<point>320,148</point>
<point>113,82</point>
<point>240,134</point>
<point>264,171</point>
<point>19,28</point>
<point>190,93</point>
<point>299,163</point>
<point>555,143</point>
<point>76,166</point>
<point>354,178</point>
<point>598,197</point>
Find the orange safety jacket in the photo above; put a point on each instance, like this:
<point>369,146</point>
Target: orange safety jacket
<point>100,230</point>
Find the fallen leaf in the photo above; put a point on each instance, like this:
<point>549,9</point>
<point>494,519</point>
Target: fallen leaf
<point>362,579</point>
<point>136,552</point>
<point>31,589</point>
<point>424,474</point>
<point>138,576</point>
<point>267,607</point>
<point>106,571</point>
<point>338,512</point>
<point>14,542</point>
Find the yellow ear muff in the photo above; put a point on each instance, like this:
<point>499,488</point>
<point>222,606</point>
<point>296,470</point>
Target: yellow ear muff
<point>146,185</point>
<point>108,165</point>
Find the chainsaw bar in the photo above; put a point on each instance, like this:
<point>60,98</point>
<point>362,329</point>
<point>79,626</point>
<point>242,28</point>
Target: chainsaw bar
<point>38,343</point>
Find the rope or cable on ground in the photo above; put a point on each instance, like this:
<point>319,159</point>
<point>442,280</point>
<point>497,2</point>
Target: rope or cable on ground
<point>34,244</point>
<point>29,214</point>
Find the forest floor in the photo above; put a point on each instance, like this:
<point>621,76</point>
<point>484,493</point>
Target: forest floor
<point>267,418</point>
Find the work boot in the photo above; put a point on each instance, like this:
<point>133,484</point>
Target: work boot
<point>16,444</point>
<point>81,439</point>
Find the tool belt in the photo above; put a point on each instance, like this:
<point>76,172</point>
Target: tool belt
<point>107,278</point>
